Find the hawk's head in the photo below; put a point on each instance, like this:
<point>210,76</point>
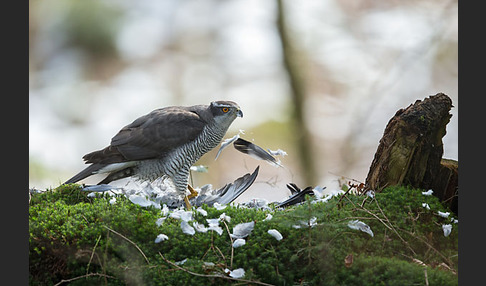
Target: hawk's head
<point>225,112</point>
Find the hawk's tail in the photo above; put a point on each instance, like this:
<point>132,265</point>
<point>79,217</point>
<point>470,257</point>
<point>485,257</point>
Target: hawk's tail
<point>88,171</point>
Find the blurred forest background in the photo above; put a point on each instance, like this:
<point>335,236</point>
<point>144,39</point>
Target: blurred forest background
<point>318,79</point>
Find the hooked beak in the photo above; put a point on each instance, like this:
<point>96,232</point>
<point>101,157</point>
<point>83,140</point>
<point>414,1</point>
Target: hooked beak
<point>239,113</point>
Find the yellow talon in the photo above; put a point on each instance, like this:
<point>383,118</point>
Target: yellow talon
<point>193,194</point>
<point>190,196</point>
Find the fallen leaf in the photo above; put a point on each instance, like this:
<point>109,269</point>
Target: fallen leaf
<point>348,260</point>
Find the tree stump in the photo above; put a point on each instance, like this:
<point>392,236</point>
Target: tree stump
<point>410,151</point>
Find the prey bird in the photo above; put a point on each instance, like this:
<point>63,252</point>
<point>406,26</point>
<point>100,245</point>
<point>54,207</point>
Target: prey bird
<point>165,142</point>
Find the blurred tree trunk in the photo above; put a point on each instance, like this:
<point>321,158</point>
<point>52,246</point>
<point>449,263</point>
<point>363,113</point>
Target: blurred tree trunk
<point>297,84</point>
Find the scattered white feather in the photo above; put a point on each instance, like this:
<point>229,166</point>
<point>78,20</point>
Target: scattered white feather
<point>275,233</point>
<point>239,242</point>
<point>453,220</point>
<point>226,143</point>
<point>444,215</point>
<point>213,221</point>
<point>219,206</point>
<point>313,221</point>
<point>447,228</point>
<point>112,201</point>
<point>161,237</point>
<point>303,223</point>
<point>257,203</point>
<point>225,217</point>
<point>202,211</point>
<point>186,228</point>
<point>165,210</point>
<point>242,230</point>
<point>180,262</point>
<point>213,224</point>
<point>331,194</point>
<point>268,217</point>
<point>371,194</point>
<point>359,225</point>
<point>428,193</point>
<point>160,221</point>
<point>426,205</point>
<point>182,215</point>
<point>237,273</point>
<point>216,228</point>
<point>199,227</point>
<point>140,200</point>
<point>209,264</point>
<point>318,192</point>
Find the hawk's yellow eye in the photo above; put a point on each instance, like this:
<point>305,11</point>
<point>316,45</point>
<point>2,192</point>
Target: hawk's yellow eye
<point>225,109</point>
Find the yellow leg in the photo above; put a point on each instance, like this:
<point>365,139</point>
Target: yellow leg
<point>192,195</point>
<point>188,205</point>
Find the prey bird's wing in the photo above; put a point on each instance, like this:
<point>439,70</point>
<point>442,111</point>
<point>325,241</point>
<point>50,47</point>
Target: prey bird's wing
<point>229,192</point>
<point>254,151</point>
<point>151,136</point>
<point>296,197</point>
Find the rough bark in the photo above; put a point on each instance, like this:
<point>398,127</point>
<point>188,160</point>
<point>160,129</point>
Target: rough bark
<point>446,184</point>
<point>411,149</point>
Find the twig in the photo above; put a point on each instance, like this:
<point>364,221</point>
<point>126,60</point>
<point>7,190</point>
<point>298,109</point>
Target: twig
<point>429,245</point>
<point>344,195</point>
<point>83,276</point>
<point>309,245</point>
<point>214,248</point>
<point>372,214</point>
<point>389,225</point>
<point>134,244</point>
<point>426,278</point>
<point>106,254</point>
<point>232,248</point>
<point>92,254</point>
<point>276,258</point>
<point>220,252</point>
<point>211,276</point>
<point>393,228</point>
<point>354,217</point>
<point>347,178</point>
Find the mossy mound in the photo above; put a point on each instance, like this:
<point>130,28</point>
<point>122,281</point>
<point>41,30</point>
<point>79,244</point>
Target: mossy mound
<point>89,241</point>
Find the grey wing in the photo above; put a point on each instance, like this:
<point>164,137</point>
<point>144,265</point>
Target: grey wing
<point>150,136</point>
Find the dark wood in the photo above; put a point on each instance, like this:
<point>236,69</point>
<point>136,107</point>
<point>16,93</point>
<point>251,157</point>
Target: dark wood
<point>410,151</point>
<point>446,184</point>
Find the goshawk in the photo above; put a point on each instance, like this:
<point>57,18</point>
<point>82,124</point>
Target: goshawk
<point>165,142</point>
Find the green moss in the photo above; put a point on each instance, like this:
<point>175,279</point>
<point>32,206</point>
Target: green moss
<point>373,271</point>
<point>70,236</point>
